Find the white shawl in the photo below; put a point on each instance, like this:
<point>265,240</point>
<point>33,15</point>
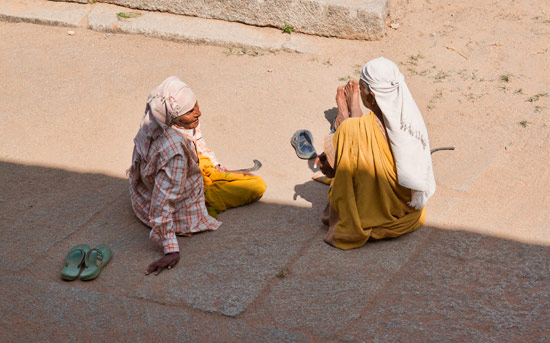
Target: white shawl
<point>406,129</point>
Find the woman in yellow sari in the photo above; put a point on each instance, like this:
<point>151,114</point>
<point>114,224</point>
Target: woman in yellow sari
<point>380,162</point>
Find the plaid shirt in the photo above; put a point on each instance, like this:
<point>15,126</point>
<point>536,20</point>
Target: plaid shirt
<point>169,196</point>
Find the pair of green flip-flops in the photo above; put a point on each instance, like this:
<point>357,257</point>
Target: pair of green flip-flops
<point>85,262</point>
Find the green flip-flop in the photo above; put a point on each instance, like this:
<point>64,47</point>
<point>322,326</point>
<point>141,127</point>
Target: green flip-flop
<point>95,260</point>
<point>74,261</point>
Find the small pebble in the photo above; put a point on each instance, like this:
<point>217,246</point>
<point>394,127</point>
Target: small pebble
<point>70,33</point>
<point>433,34</point>
<point>394,26</point>
<point>269,70</point>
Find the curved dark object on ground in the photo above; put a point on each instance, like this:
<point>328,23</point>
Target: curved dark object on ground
<point>442,148</point>
<point>257,165</point>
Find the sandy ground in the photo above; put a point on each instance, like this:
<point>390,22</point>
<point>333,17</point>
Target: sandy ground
<point>477,70</point>
<point>71,106</point>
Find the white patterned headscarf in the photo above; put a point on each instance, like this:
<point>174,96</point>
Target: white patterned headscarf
<point>169,100</point>
<point>406,129</point>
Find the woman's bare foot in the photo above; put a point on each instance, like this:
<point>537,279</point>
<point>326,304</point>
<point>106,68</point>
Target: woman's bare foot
<point>353,98</point>
<point>343,110</point>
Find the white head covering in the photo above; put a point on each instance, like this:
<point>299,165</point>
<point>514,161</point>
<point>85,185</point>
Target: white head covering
<point>406,129</point>
<point>169,100</point>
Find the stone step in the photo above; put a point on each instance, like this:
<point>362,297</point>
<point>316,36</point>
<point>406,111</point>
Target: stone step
<point>246,39</point>
<point>349,19</point>
<point>103,17</point>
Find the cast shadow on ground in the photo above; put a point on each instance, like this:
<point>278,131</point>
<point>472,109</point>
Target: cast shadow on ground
<point>313,192</point>
<point>48,207</point>
<point>330,116</point>
<point>266,267</point>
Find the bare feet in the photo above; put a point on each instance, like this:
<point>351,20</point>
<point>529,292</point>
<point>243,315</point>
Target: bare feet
<point>343,110</point>
<point>353,98</point>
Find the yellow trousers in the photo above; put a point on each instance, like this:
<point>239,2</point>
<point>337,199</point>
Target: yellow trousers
<point>223,190</point>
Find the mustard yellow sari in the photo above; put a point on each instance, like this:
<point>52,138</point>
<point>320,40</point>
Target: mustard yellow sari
<point>366,200</point>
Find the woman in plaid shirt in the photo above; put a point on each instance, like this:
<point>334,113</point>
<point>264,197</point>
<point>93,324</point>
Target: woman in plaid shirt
<point>167,183</point>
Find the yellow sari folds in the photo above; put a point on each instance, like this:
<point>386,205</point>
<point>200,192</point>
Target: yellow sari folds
<point>366,200</point>
<point>223,190</point>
